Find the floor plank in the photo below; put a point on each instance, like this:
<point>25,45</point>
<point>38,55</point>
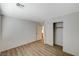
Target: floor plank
<point>37,48</point>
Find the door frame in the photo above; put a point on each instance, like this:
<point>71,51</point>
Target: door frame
<point>54,30</point>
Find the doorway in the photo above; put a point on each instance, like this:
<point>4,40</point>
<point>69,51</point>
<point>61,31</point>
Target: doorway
<point>40,32</point>
<point>58,33</point>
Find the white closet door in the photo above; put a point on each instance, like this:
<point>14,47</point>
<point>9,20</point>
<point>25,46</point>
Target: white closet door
<point>59,34</point>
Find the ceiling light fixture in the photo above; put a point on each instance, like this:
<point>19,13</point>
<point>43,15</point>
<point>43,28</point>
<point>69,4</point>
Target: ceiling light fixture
<point>19,5</point>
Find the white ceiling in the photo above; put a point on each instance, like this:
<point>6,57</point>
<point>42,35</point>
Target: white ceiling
<point>38,11</point>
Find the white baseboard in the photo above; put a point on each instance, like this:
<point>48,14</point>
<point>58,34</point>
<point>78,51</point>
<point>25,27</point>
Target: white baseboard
<point>14,46</point>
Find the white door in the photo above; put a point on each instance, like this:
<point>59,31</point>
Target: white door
<point>59,34</point>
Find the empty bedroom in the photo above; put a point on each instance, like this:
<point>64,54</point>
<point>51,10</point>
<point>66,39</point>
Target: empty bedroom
<point>39,29</point>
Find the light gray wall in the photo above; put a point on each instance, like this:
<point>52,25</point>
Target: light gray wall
<point>0,33</point>
<point>17,32</point>
<point>48,32</point>
<point>0,28</point>
<point>71,33</point>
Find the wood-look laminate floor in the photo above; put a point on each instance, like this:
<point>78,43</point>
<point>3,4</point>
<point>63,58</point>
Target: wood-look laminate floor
<point>35,49</point>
